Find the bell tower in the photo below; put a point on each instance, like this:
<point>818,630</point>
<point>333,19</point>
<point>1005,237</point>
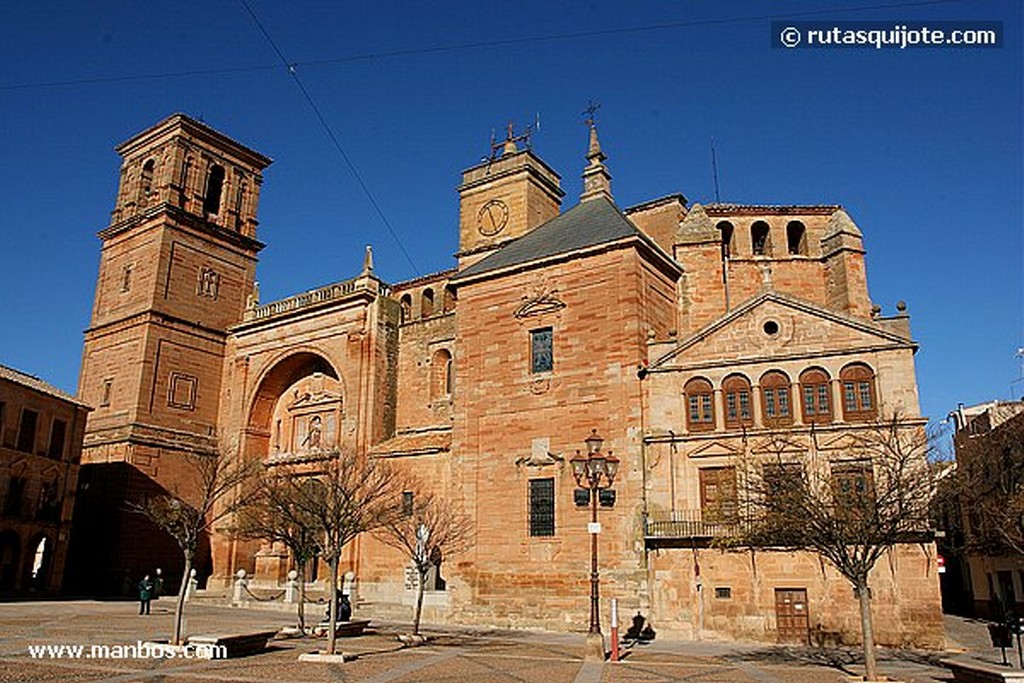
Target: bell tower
<point>178,262</point>
<point>504,197</point>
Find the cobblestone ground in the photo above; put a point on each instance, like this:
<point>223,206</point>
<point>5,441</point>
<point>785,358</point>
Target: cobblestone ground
<point>450,656</point>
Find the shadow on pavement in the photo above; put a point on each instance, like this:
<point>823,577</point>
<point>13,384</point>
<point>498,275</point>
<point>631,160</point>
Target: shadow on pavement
<point>838,658</point>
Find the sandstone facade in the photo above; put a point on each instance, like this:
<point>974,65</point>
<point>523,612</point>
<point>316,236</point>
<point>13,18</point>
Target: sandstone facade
<point>485,379</point>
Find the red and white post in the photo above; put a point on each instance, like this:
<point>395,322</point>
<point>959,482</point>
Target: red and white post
<point>615,630</point>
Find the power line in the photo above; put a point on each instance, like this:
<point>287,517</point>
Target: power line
<point>330,133</point>
<point>455,47</point>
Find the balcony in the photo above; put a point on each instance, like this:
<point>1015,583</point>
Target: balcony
<point>694,527</point>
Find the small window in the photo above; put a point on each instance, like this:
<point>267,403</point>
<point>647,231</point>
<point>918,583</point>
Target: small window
<point>13,503</point>
<point>214,189</point>
<point>796,238</point>
<point>816,390</point>
<point>858,392</point>
<point>541,350</point>
<point>700,407</point>
<point>723,593</point>
<point>427,303</point>
<point>27,431</point>
<point>58,433</point>
<point>760,239</point>
<point>726,230</point>
<point>853,484</point>
<point>775,399</point>
<point>105,392</point>
<point>542,507</point>
<point>407,503</point>
<point>738,411</point>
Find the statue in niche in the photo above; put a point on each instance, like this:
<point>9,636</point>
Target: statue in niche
<point>314,434</point>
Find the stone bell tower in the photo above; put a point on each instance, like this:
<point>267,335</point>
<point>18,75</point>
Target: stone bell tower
<point>178,262</point>
<point>503,198</point>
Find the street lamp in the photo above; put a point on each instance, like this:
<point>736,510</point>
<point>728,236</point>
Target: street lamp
<point>593,472</point>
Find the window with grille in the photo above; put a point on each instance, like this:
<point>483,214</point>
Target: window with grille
<point>775,398</point>
<point>541,351</point>
<point>542,507</point>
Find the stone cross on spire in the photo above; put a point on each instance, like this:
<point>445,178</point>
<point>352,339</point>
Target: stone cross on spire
<point>597,182</point>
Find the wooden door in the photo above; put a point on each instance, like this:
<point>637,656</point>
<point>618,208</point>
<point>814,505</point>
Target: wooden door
<point>791,618</point>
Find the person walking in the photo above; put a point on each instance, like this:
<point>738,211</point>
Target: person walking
<point>145,594</point>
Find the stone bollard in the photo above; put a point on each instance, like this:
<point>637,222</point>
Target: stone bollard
<point>193,585</point>
<point>239,595</point>
<point>291,589</point>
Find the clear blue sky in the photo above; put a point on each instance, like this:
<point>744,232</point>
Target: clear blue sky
<point>923,147</point>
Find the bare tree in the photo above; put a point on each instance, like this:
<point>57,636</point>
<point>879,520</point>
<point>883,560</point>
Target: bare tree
<point>209,494</point>
<point>427,529</point>
<point>344,497</point>
<point>273,511</point>
<point>850,508</point>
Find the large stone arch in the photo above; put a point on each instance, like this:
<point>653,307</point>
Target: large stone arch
<point>279,374</point>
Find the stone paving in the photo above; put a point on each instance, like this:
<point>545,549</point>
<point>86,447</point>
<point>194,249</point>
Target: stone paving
<point>450,656</point>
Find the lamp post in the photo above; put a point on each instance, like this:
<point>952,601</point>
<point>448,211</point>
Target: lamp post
<point>593,472</point>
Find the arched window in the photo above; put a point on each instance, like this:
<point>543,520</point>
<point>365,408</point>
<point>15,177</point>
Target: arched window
<point>760,239</point>
<point>405,303</point>
<point>817,393</point>
<point>440,374</point>
<point>427,303</point>
<point>738,410</point>
<point>859,397</point>
<point>700,405</point>
<point>726,229</point>
<point>146,181</point>
<point>796,238</point>
<point>214,189</point>
<point>448,299</point>
<point>775,399</point>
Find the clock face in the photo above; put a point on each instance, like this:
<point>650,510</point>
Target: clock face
<point>493,218</point>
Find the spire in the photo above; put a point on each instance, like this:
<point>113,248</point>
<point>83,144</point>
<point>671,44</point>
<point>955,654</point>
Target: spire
<point>597,182</point>
<point>368,261</point>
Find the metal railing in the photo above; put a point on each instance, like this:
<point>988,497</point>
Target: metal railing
<point>690,524</point>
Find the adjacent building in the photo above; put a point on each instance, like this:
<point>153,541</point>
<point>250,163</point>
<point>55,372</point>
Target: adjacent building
<point>683,334</point>
<point>41,430</point>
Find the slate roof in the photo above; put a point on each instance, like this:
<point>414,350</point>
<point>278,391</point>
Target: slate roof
<point>588,224</point>
<point>33,382</point>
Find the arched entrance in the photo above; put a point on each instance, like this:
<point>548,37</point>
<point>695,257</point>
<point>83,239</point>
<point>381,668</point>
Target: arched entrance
<point>297,413</point>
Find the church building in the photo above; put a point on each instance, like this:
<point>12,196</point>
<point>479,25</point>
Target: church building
<point>684,335</point>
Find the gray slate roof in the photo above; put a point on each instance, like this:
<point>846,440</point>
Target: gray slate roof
<point>33,382</point>
<point>587,224</point>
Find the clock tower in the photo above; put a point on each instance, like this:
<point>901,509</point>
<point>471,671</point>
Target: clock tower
<point>502,199</point>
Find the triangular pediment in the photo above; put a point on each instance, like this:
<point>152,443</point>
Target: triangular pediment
<point>782,446</point>
<point>713,449</point>
<point>774,325</point>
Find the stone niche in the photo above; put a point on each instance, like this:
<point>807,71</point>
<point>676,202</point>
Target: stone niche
<point>307,418</point>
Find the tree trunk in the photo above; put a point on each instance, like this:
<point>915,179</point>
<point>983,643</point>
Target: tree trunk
<point>333,610</point>
<point>867,630</point>
<point>179,605</point>
<point>301,568</point>
<point>419,601</point>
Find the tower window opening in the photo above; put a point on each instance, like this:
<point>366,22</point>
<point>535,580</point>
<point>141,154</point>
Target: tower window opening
<point>726,229</point>
<point>796,238</point>
<point>759,239</point>
<point>146,182</point>
<point>214,189</point>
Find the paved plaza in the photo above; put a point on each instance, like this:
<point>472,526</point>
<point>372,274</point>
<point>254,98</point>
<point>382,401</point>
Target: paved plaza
<point>451,655</point>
